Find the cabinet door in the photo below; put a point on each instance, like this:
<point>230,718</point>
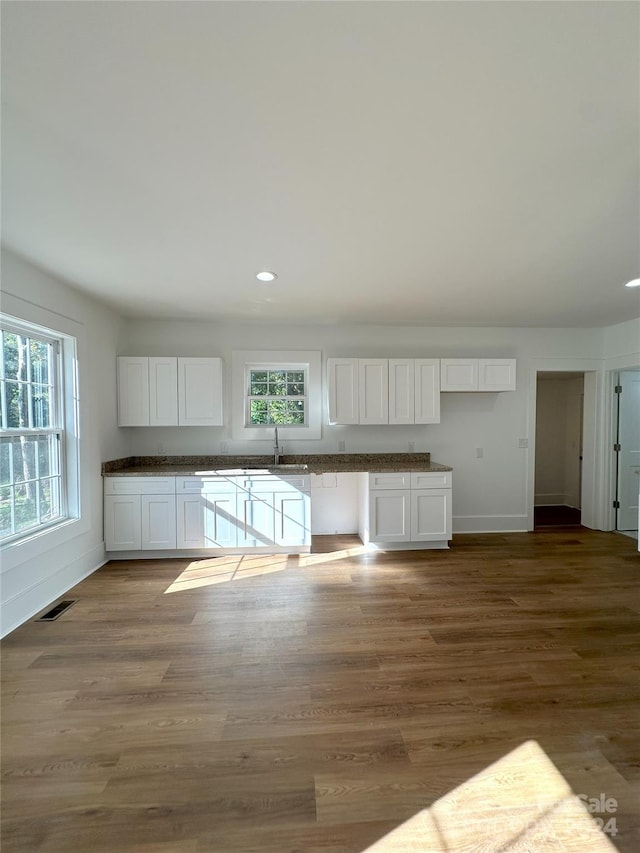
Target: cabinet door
<point>158,529</point>
<point>401,391</point>
<point>496,374</point>
<point>200,391</point>
<point>133,391</point>
<point>163,391</point>
<point>458,374</point>
<point>373,384</point>
<point>427,391</point>
<point>206,520</point>
<point>256,519</point>
<point>389,515</point>
<point>292,522</point>
<point>342,376</point>
<point>122,527</point>
<point>430,514</point>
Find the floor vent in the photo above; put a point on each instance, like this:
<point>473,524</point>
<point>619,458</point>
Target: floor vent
<point>56,611</point>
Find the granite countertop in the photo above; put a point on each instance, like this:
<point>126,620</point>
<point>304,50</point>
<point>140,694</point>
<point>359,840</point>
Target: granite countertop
<point>167,466</point>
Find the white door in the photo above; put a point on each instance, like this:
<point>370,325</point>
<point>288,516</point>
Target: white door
<point>190,521</point>
<point>373,383</point>
<point>389,515</point>
<point>427,390</point>
<point>158,525</point>
<point>133,391</point>
<point>430,514</point>
<point>200,391</point>
<point>122,529</point>
<point>163,391</point>
<point>401,391</point>
<point>629,454</point>
<point>292,523</point>
<point>342,376</point>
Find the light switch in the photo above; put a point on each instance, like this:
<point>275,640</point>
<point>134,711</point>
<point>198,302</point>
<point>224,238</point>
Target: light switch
<point>479,452</point>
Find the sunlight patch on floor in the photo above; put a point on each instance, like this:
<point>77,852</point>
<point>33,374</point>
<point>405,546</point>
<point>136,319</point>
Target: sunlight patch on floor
<point>235,567</point>
<point>519,804</point>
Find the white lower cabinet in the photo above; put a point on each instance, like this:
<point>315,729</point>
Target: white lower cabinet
<point>406,517</point>
<point>139,513</point>
<point>218,512</point>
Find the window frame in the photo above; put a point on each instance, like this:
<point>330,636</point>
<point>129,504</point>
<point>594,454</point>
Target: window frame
<point>309,361</point>
<point>62,404</point>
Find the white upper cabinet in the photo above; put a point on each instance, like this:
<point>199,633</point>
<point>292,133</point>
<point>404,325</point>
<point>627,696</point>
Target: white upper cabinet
<point>427,391</point>
<point>401,391</point>
<point>477,374</point>
<point>383,390</point>
<point>496,374</point>
<point>200,391</point>
<point>373,381</point>
<point>169,391</point>
<point>133,391</point>
<point>163,400</point>
<point>344,399</point>
<point>458,374</point>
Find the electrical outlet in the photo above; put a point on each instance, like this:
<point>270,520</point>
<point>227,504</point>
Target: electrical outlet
<point>341,447</point>
<point>224,447</point>
<point>523,442</point>
<point>160,447</point>
<point>479,452</point>
<point>411,447</point>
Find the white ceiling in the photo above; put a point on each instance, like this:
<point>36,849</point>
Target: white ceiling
<point>440,163</point>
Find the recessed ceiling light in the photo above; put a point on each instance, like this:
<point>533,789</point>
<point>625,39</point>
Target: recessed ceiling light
<point>265,275</point>
<point>634,283</point>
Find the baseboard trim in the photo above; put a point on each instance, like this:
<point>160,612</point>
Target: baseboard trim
<point>18,609</point>
<point>490,524</point>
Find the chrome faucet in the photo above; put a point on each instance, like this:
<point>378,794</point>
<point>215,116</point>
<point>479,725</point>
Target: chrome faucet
<point>277,450</point>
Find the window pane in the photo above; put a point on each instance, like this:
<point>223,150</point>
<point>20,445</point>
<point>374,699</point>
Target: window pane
<point>258,388</point>
<point>296,376</point>
<point>48,455</point>
<point>5,461</point>
<point>5,511</point>
<point>25,496</point>
<point>40,401</point>
<point>49,499</point>
<point>17,401</point>
<point>39,361</point>
<point>24,459</point>
<point>258,376</point>
<point>295,409</point>
<point>278,383</point>
<point>278,412</point>
<point>258,412</point>
<point>295,389</point>
<point>15,356</point>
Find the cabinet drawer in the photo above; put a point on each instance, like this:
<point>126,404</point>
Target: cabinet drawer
<point>390,480</point>
<point>273,483</point>
<point>205,485</point>
<point>431,479</point>
<point>139,485</point>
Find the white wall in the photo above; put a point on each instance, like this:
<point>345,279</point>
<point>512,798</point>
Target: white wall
<point>490,493</point>
<point>39,570</point>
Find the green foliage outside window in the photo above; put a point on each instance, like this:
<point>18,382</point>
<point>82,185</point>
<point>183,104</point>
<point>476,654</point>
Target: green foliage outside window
<point>277,397</point>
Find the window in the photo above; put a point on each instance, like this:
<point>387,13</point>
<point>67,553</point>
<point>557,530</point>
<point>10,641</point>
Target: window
<point>276,388</point>
<point>276,396</point>
<point>32,493</point>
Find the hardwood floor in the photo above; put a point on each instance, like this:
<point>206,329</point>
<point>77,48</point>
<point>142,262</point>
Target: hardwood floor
<point>334,703</point>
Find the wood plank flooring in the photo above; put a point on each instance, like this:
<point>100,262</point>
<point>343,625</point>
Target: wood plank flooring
<point>339,702</point>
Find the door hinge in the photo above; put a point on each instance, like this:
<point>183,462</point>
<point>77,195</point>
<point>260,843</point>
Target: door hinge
<point>618,389</point>
<point>616,448</point>
<point>616,504</point>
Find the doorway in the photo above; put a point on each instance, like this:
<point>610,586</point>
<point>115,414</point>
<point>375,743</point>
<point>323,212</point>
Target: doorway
<point>559,449</point>
<point>627,451</point>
